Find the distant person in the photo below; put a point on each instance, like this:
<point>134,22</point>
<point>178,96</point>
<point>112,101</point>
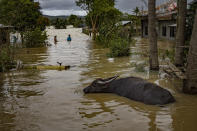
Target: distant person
<point>90,33</point>
<point>14,39</point>
<point>55,39</point>
<point>69,38</point>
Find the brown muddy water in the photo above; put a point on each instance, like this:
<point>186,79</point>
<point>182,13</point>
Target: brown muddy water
<point>52,100</point>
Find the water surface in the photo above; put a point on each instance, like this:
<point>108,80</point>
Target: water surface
<point>52,100</point>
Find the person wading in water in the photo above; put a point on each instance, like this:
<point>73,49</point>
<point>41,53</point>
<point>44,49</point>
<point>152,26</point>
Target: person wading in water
<point>69,38</point>
<point>55,40</point>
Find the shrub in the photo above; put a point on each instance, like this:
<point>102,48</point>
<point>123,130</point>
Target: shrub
<point>85,31</point>
<point>170,54</point>
<point>35,38</point>
<point>102,40</point>
<point>119,47</point>
<point>6,58</point>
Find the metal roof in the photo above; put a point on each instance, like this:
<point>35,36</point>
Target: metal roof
<point>194,1</point>
<point>125,22</point>
<point>173,25</point>
<point>3,26</point>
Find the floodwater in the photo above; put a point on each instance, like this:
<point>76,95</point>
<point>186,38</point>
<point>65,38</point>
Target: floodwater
<point>53,100</point>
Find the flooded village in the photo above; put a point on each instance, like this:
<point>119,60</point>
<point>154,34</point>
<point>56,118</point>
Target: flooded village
<point>107,69</point>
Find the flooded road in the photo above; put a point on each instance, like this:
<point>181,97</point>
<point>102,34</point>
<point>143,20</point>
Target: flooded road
<point>52,100</point>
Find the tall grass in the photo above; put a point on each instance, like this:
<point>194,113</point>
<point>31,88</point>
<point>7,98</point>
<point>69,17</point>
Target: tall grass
<point>119,47</point>
<point>35,38</point>
<point>6,58</point>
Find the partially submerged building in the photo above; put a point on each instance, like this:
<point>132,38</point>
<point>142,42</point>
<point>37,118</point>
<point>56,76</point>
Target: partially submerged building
<point>9,35</point>
<point>166,22</point>
<point>125,31</point>
<point>5,34</point>
<point>165,26</point>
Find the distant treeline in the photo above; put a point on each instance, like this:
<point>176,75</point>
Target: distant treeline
<point>60,22</point>
<point>61,17</point>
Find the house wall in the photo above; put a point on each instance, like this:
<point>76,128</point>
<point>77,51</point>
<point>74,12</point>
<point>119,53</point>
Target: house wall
<point>144,28</point>
<point>7,36</point>
<point>167,25</point>
<point>159,28</point>
<point>15,38</point>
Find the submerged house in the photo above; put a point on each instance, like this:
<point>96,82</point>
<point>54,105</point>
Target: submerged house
<point>5,34</point>
<point>125,31</point>
<point>9,35</point>
<point>166,26</point>
<point>166,22</point>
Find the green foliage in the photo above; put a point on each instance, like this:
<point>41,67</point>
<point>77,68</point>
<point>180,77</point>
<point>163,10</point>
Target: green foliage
<point>108,29</point>
<point>35,38</point>
<point>107,32</point>
<point>95,10</point>
<point>74,20</point>
<point>103,17</point>
<point>136,11</point>
<point>85,31</point>
<point>102,40</point>
<point>42,22</point>
<point>26,17</point>
<point>170,54</point>
<point>22,14</point>
<point>136,22</point>
<point>59,23</point>
<point>119,47</point>
<point>6,58</point>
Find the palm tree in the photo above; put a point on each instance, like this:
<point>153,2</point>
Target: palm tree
<point>190,84</point>
<point>153,59</point>
<point>137,20</point>
<point>136,11</point>
<point>180,36</point>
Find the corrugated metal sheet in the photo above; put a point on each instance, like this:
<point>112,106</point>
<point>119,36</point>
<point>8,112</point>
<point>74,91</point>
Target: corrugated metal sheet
<point>3,26</point>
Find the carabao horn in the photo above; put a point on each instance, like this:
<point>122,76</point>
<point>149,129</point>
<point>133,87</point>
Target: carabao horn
<point>107,80</point>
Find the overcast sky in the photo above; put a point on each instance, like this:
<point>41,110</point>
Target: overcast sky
<point>67,7</point>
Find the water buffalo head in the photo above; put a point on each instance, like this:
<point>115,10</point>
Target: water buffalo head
<point>99,85</point>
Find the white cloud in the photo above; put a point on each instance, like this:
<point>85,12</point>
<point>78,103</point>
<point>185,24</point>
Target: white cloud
<point>67,7</point>
<point>63,12</point>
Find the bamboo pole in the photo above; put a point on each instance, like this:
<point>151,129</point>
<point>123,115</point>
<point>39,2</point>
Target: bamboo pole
<point>46,67</point>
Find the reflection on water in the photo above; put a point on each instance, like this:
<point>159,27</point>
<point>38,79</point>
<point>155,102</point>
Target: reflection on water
<point>53,100</point>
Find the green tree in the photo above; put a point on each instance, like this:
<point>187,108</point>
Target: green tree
<point>22,14</point>
<point>57,23</point>
<point>35,38</point>
<point>94,9</point>
<point>74,20</point>
<point>65,22</point>
<point>136,11</point>
<point>136,19</point>
<point>6,58</point>
<point>107,24</point>
<point>42,22</point>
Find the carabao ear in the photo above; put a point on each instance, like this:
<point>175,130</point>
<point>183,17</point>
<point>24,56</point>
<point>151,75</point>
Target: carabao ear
<point>106,81</point>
